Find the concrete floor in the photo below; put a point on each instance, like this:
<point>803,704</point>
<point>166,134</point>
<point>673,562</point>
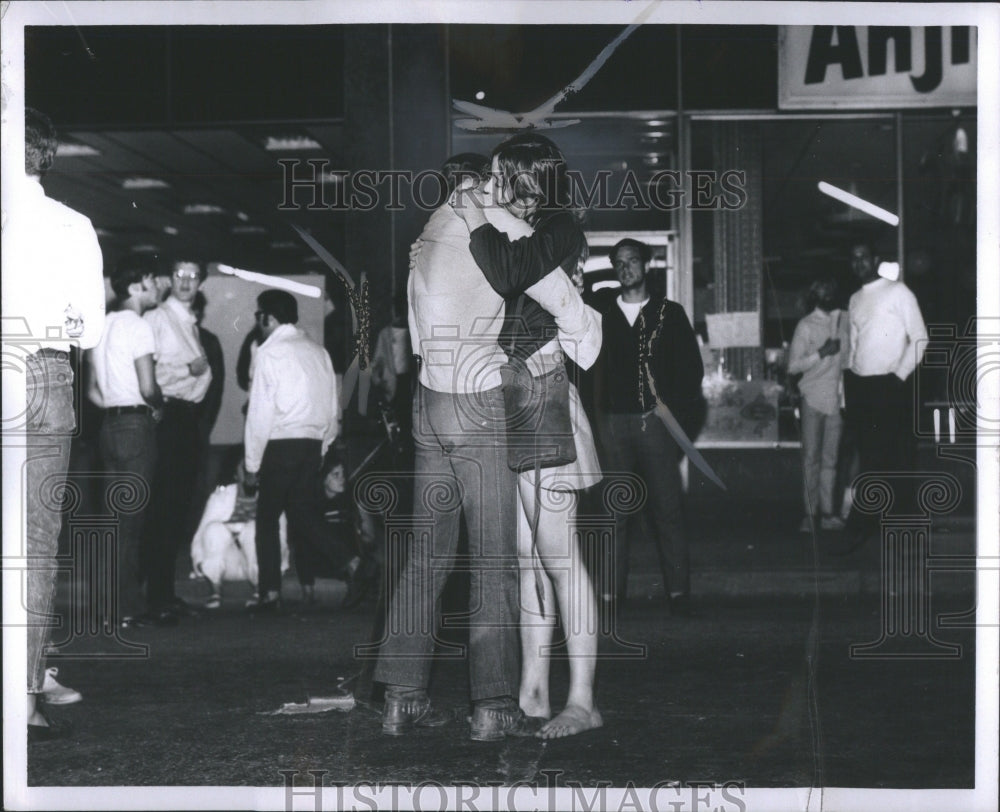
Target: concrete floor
<point>761,691</point>
<point>759,688</point>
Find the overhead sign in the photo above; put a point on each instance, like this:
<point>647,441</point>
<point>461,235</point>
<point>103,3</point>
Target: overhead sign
<point>865,67</point>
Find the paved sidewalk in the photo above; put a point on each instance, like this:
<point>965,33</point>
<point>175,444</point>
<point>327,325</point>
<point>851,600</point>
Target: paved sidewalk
<point>743,550</point>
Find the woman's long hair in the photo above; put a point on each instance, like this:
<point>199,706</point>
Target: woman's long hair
<point>534,175</point>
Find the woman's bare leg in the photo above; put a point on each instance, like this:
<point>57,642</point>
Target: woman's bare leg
<point>563,563</point>
<point>536,628</point>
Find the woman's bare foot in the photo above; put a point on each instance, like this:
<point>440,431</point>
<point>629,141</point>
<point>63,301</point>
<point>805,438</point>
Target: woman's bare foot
<point>534,703</point>
<point>571,721</point>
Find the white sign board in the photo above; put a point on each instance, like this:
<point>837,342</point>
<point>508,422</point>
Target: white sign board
<point>229,313</point>
<point>865,67</point>
<point>733,329</point>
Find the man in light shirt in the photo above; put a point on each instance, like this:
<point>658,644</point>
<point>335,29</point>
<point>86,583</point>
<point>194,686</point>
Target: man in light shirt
<point>455,319</point>
<point>53,293</point>
<point>124,385</point>
<point>291,422</point>
<point>183,375</point>
<point>461,471</point>
<point>888,338</point>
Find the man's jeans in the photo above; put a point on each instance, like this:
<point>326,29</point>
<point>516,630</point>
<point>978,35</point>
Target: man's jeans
<point>50,426</point>
<point>641,444</point>
<point>128,447</point>
<point>820,444</point>
<point>461,469</point>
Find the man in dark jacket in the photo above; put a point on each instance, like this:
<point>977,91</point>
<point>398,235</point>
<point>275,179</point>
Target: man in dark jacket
<point>649,353</point>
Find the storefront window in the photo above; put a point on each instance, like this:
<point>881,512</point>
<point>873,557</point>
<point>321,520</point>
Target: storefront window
<point>939,215</point>
<point>799,232</point>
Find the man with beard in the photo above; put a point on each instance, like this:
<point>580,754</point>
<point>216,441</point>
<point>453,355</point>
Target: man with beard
<point>650,352</point>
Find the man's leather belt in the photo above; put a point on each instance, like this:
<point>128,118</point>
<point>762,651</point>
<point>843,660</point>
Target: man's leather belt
<point>180,403</point>
<point>116,411</point>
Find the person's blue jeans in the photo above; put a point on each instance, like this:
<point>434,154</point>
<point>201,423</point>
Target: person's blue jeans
<point>640,444</point>
<point>461,469</point>
<point>50,423</point>
<point>128,449</point>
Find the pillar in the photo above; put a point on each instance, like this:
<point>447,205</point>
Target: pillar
<point>738,241</point>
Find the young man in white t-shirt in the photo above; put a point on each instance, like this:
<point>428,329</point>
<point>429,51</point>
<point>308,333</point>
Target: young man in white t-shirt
<point>124,385</point>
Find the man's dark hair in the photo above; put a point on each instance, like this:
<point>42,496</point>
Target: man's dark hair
<point>280,304</point>
<point>40,142</point>
<point>130,269</point>
<point>465,165</point>
<point>645,252</point>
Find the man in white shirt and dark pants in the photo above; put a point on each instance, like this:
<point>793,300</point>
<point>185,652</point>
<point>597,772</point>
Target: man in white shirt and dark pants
<point>53,291</point>
<point>124,385</point>
<point>291,421</point>
<point>183,375</point>
<point>888,338</point>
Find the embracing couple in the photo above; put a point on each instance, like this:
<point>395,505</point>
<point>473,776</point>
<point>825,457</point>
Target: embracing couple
<point>508,241</point>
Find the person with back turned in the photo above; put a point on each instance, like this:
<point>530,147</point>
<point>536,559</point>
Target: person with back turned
<point>54,290</point>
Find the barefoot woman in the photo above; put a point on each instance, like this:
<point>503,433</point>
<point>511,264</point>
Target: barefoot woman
<point>529,180</point>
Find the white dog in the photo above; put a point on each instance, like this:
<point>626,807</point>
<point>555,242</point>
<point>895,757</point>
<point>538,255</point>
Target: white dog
<point>223,547</point>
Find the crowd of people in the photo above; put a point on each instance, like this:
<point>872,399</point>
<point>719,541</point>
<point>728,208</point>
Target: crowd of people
<point>494,310</point>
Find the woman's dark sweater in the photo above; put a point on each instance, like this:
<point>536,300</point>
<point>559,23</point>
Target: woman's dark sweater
<point>513,266</point>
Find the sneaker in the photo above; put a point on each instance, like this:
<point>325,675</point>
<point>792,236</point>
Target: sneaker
<point>807,525</point>
<point>831,523</point>
<point>56,694</point>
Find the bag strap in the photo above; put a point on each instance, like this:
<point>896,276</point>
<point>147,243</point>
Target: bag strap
<point>515,317</point>
<point>536,560</point>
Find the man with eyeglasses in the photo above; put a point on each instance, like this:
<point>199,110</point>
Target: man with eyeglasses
<point>183,374</point>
